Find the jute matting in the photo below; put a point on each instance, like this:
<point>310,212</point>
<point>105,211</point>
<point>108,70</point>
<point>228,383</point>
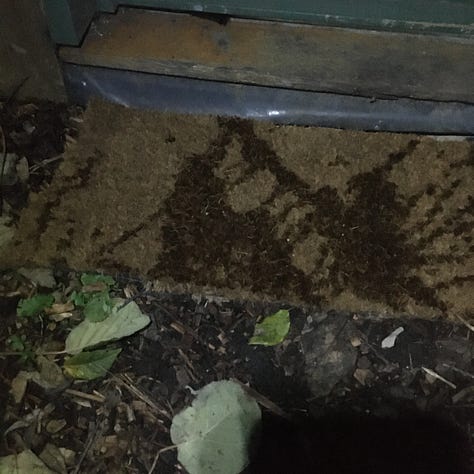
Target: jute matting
<point>345,220</point>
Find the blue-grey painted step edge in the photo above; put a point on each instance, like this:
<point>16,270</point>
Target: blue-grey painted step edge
<point>282,106</point>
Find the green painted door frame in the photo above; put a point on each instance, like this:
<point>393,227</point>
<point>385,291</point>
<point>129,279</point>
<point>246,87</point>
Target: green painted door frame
<point>69,19</point>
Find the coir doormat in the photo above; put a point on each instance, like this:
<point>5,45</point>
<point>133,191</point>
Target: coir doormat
<point>340,219</point>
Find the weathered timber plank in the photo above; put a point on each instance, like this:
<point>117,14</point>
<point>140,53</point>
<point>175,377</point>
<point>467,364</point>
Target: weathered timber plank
<point>286,55</point>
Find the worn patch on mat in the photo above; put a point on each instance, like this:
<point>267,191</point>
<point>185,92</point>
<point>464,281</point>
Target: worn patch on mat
<point>346,220</point>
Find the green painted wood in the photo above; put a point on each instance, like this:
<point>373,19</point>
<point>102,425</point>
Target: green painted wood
<point>452,16</point>
<point>68,20</point>
<point>278,54</point>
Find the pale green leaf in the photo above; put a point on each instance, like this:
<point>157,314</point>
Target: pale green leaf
<point>98,307</point>
<point>272,330</point>
<point>24,463</point>
<point>91,365</point>
<point>35,305</point>
<point>79,298</point>
<point>213,435</point>
<point>123,321</point>
<point>89,279</point>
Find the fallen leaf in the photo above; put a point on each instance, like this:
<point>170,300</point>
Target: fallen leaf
<point>213,435</point>
<point>9,169</point>
<point>39,276</point>
<point>50,375</point>
<point>55,426</point>
<point>69,456</point>
<point>99,286</point>
<point>16,343</point>
<point>19,384</point>
<point>53,458</point>
<point>79,299</point>
<point>57,318</point>
<point>123,321</point>
<point>28,421</point>
<point>35,305</point>
<point>363,376</point>
<point>24,463</point>
<point>272,330</point>
<point>389,341</point>
<point>23,170</point>
<point>59,308</point>
<point>89,279</point>
<point>91,365</point>
<point>6,231</point>
<point>98,307</point>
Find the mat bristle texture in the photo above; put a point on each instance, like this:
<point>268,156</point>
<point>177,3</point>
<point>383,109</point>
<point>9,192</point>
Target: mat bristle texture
<point>340,219</point>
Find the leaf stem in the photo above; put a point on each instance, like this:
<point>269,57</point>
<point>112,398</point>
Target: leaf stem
<point>20,353</point>
<point>162,450</point>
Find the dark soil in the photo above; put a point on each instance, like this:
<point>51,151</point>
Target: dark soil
<point>38,132</point>
<point>193,341</point>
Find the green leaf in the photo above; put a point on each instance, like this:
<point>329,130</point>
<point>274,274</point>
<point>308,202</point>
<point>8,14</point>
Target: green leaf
<point>89,279</point>
<point>213,435</point>
<point>91,365</point>
<point>272,330</point>
<point>123,321</point>
<point>79,298</point>
<point>98,307</point>
<point>24,463</point>
<point>16,343</point>
<point>35,305</point>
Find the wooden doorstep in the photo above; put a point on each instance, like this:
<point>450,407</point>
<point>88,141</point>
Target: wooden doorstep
<point>357,62</point>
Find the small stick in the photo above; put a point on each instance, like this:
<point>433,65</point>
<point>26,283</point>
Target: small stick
<point>95,398</point>
<point>45,162</point>
<point>264,401</point>
<point>89,443</point>
<point>439,377</point>
<point>189,365</point>
<point>127,383</point>
<point>459,371</point>
<point>465,322</point>
<point>18,353</point>
<point>162,450</point>
<point>2,168</point>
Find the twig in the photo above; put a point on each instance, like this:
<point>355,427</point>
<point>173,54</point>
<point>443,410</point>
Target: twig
<point>19,353</point>
<point>462,394</point>
<point>465,322</point>
<point>439,377</point>
<point>87,396</point>
<point>45,162</point>
<point>2,169</point>
<point>179,326</point>
<point>189,365</point>
<point>89,442</point>
<point>375,351</point>
<point>157,457</point>
<point>15,91</point>
<point>264,401</point>
<point>126,382</point>
<point>459,371</point>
